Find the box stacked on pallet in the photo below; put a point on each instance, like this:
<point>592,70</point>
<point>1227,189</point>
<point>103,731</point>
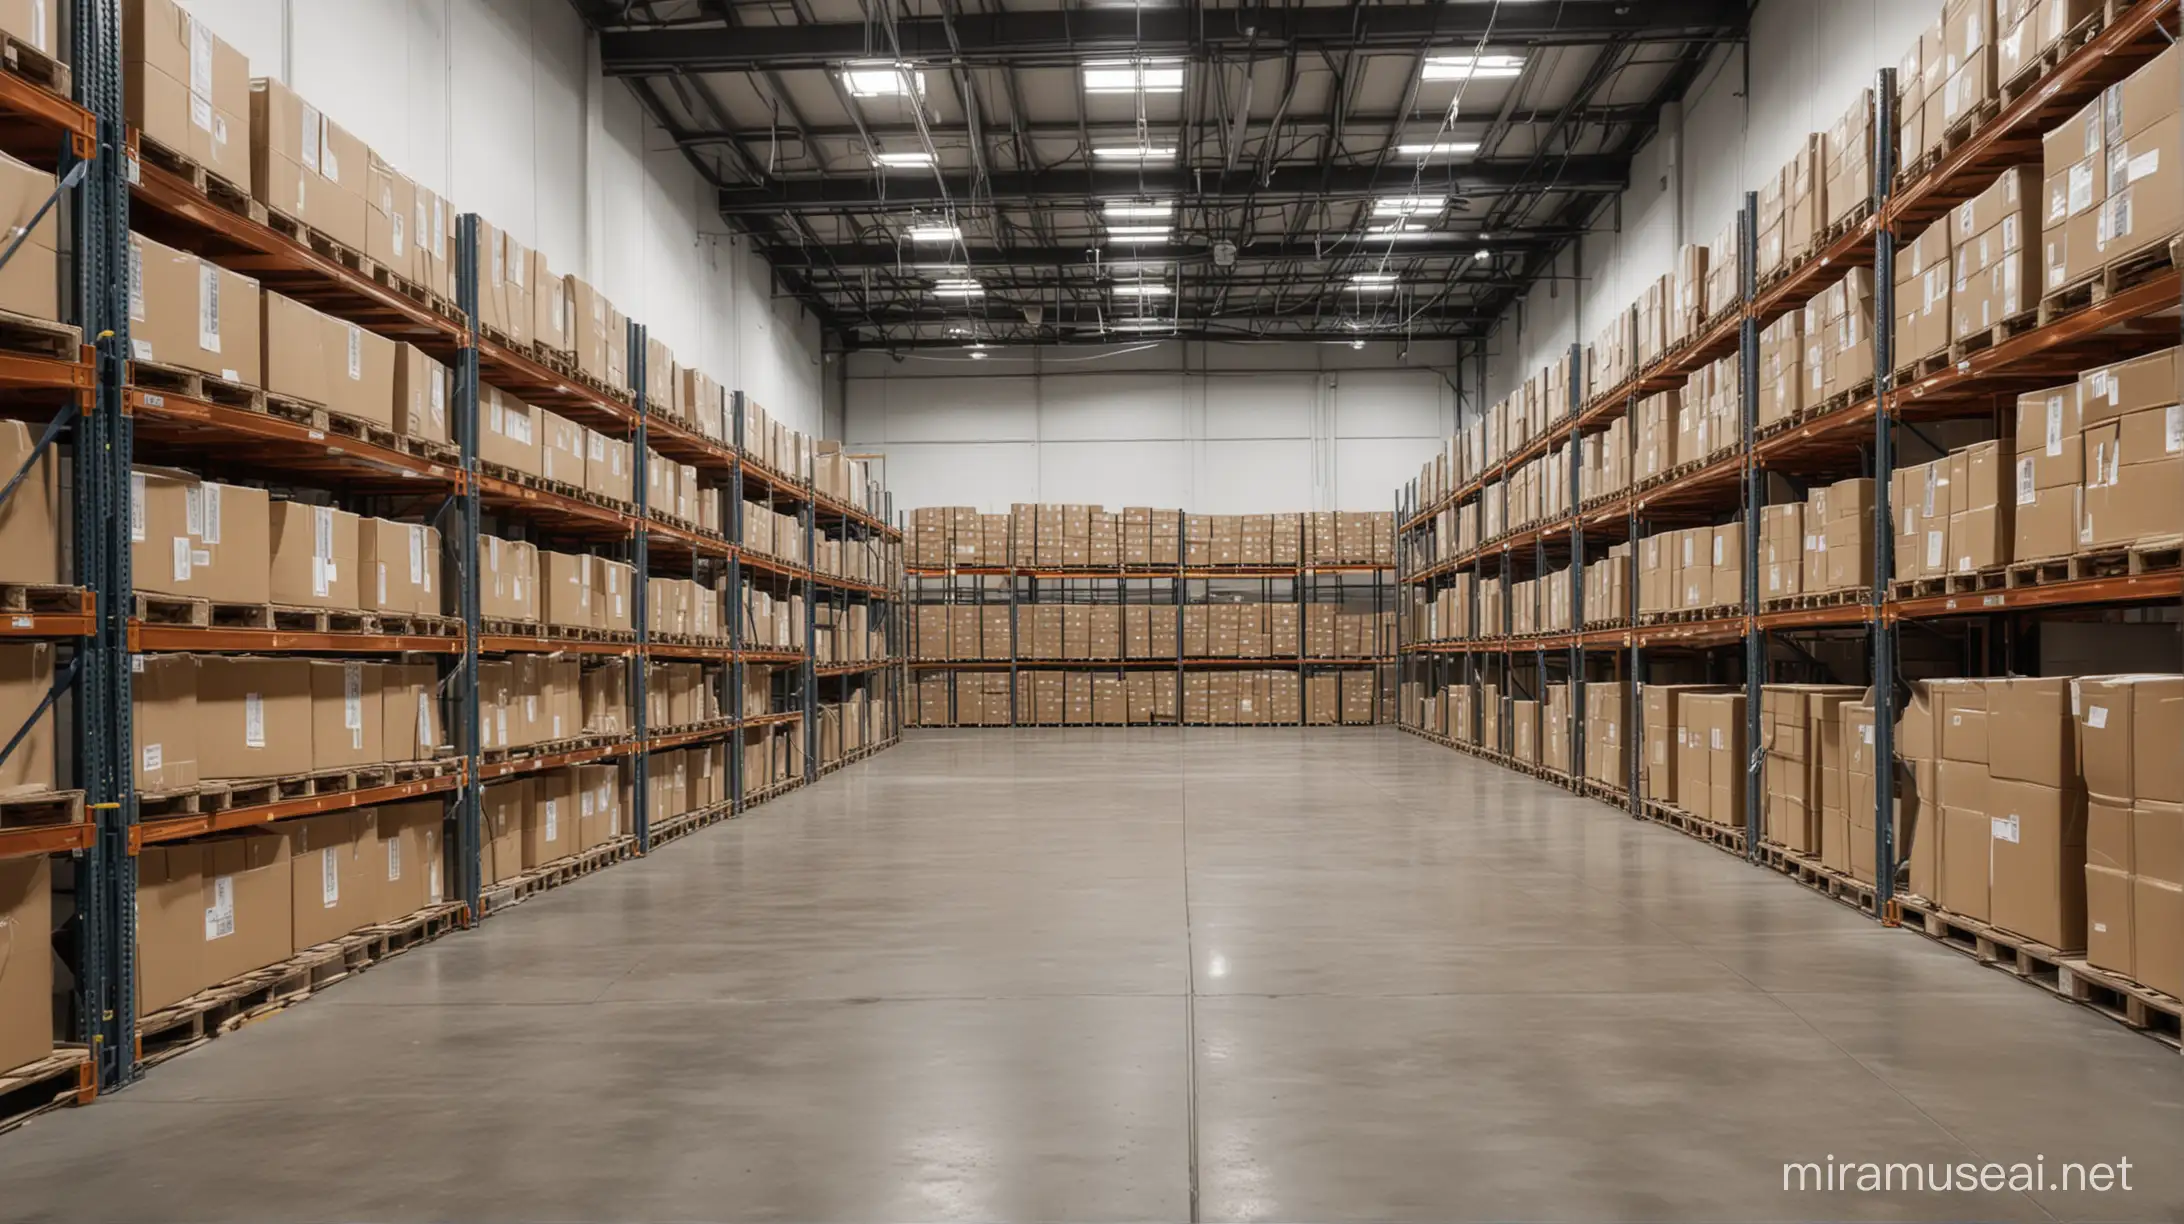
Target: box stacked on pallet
<point>1607,749</point>
<point>1847,157</point>
<point>1801,726</point>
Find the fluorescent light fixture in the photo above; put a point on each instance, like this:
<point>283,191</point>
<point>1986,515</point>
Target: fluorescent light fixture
<point>882,79</point>
<point>938,231</point>
<point>1142,325</point>
<point>1141,233</point>
<point>1140,291</point>
<point>977,353</point>
<point>1439,148</point>
<point>1137,208</point>
<point>1482,254</point>
<point>1133,76</point>
<point>1468,67</point>
<point>1138,267</point>
<point>917,157</point>
<point>1133,152</point>
<point>1373,282</point>
<point>1408,206</point>
<point>1405,232</point>
<point>959,288</point>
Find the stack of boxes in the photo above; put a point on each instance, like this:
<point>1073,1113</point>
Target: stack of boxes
<point>1802,730</point>
<point>1994,254</point>
<point>1847,151</point>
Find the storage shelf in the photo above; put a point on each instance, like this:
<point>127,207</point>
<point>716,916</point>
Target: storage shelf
<point>177,828</point>
<point>674,440</point>
<point>542,386</point>
<point>158,637</point>
<point>208,434</point>
<point>492,771</point>
<point>24,372</point>
<point>855,669</point>
<point>31,840</point>
<point>851,585</point>
<point>542,643</point>
<point>762,564</point>
<point>1094,573</point>
<point>776,488</point>
<point>697,543</point>
<point>832,508</point>
<point>34,121</point>
<point>567,515</point>
<point>1273,662</point>
<point>80,622</point>
<point>166,208</point>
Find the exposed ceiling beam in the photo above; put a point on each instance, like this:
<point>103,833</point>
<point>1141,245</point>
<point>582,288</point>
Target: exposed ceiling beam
<point>912,188</point>
<point>872,255</point>
<point>1068,34</point>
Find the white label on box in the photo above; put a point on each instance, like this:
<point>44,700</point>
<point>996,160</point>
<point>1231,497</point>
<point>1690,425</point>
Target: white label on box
<point>1964,563</point>
<point>394,233</point>
<point>2144,164</point>
<point>596,446</point>
<point>220,915</point>
<point>153,758</point>
<point>382,583</point>
<point>329,878</point>
<point>328,166</point>
<point>136,294</point>
<point>439,228</point>
<point>394,859</point>
<point>1865,733</point>
<point>307,137</point>
<point>498,274</point>
<point>1715,735</point>
<point>201,558</point>
<point>352,695</point>
<point>2026,493</point>
<point>200,75</point>
<point>2054,425</point>
<point>416,555</point>
<point>193,509</point>
<point>356,353</point>
<point>2172,421</point>
<point>516,269</point>
<point>589,809</point>
<point>1717,550</point>
<point>553,820</point>
<point>1933,548</point>
<point>500,720</point>
<point>434,875</point>
<point>2004,828</point>
<point>424,721</point>
<point>2096,717</point>
<point>209,519</point>
<point>439,400</point>
<point>322,548</point>
<point>208,308</point>
<point>253,720</point>
<point>2081,187</point>
<point>494,416</point>
<point>181,558</point>
<point>136,507</point>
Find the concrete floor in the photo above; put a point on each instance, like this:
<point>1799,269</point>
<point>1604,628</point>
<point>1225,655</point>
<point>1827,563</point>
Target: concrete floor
<point>1104,975</point>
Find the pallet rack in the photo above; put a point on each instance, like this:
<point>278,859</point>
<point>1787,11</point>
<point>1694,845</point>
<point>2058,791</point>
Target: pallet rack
<point>1849,438</point>
<point>1173,585</point>
<point>95,400</point>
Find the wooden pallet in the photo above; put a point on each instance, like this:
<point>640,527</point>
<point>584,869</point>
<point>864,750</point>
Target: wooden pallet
<point>528,884</point>
<point>2126,273</point>
<point>1721,836</point>
<point>324,420</point>
<point>2051,57</point>
<point>394,282</point>
<point>1919,368</point>
<point>36,337</point>
<point>1836,229</point>
<point>222,1009</point>
<point>1818,876</point>
<point>293,617</point>
<point>684,823</point>
<point>36,597</point>
<point>154,609</point>
<point>319,241</point>
<point>1918,167</point>
<point>2151,555</point>
<point>193,384</point>
<point>1980,341</point>
<point>67,1076</point>
<point>41,808</point>
<point>1822,599</point>
<point>576,743</point>
<point>226,193</point>
<point>1964,582</point>
<point>1679,616</point>
<point>420,624</point>
<point>2151,1012</point>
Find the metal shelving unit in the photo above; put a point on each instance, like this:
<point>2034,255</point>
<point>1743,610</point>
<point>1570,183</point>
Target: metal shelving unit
<point>106,418</point>
<point>1856,438</point>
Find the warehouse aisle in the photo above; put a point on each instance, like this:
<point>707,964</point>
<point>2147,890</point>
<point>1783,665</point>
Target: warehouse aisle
<point>957,982</point>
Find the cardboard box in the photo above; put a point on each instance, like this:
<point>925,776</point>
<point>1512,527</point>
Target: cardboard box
<point>607,468</point>
<point>400,563</point>
<point>30,280</point>
<point>509,433</point>
<point>2038,862</point>
<point>503,812</point>
<point>208,911</point>
<point>163,721</point>
<point>421,390</point>
<point>306,166</point>
<point>413,863</point>
<point>185,88</point>
<point>411,727</point>
<point>26,676</point>
<point>314,551</point>
<point>30,517</point>
<point>336,871</point>
<point>345,714</point>
<point>254,717</point>
<point>328,362</point>
<point>26,961</point>
<point>565,589</point>
<point>188,312</point>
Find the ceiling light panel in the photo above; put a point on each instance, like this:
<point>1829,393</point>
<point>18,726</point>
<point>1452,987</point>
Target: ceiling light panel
<point>1471,67</point>
<point>1118,209</point>
<point>1439,148</point>
<point>882,79</point>
<point>1133,76</point>
<point>904,158</point>
<point>1134,152</point>
<point>1408,206</point>
<point>1141,291</point>
<point>933,233</point>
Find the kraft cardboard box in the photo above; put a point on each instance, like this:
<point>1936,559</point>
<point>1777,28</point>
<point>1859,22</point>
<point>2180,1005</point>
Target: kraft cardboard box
<point>505,807</point>
<point>398,567</point>
<point>185,88</point>
<point>345,714</point>
<point>254,717</point>
<point>30,517</point>
<point>552,824</point>
<point>26,676</point>
<point>305,166</point>
<point>208,911</point>
<point>509,432</point>
<point>410,722</point>
<point>561,448</point>
<point>607,468</point>
<point>509,586</point>
<point>2134,485</point>
<point>188,312</point>
<point>26,963</point>
<point>390,201</point>
<point>2038,862</point>
<point>30,280</point>
<point>414,875</point>
<point>336,871</point>
<point>421,390</point>
<point>163,720</point>
<point>565,589</point>
<point>314,550</point>
<point>327,361</point>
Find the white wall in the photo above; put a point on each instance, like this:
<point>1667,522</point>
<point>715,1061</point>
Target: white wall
<point>1809,59</point>
<point>1212,428</point>
<point>497,105</point>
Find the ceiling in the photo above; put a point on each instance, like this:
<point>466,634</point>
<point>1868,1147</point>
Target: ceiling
<point>947,172</point>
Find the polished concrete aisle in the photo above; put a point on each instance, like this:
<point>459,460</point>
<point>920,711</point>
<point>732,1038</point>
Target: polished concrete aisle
<point>1144,975</point>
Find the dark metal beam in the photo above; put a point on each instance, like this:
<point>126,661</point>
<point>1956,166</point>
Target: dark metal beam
<point>914,188</point>
<point>1067,35</point>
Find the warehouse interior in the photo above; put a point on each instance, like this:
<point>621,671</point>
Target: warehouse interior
<point>1091,609</point>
